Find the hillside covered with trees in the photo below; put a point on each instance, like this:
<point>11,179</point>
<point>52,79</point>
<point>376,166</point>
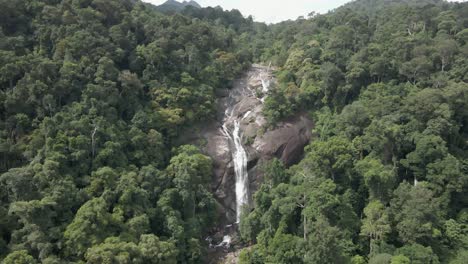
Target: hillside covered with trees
<point>386,178</point>
<point>94,94</point>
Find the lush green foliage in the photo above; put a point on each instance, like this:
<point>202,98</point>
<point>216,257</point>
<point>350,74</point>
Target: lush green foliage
<point>92,95</point>
<point>327,60</point>
<point>386,178</point>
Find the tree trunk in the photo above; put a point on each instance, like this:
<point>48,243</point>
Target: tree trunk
<point>305,227</point>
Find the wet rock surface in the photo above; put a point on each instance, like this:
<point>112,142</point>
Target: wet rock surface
<point>243,104</point>
<point>285,141</point>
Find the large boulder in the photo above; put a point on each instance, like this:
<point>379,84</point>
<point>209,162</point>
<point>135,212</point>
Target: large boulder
<point>286,141</point>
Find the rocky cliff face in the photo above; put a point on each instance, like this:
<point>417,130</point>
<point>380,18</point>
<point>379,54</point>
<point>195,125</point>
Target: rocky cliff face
<point>244,104</point>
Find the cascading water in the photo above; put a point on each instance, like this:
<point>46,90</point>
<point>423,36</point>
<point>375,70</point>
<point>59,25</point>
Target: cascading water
<point>240,167</point>
<point>239,157</point>
<point>232,130</point>
<point>265,86</point>
<point>242,115</point>
<point>265,89</point>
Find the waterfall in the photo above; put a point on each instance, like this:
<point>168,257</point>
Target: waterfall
<point>265,86</point>
<point>239,157</point>
<point>240,168</point>
<point>242,115</point>
<point>246,115</point>
<point>231,127</point>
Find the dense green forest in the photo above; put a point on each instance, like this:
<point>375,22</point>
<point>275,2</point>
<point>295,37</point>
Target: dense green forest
<point>94,94</point>
<point>386,178</point>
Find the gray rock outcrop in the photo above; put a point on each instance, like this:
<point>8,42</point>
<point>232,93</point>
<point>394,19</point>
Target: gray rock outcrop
<point>286,141</point>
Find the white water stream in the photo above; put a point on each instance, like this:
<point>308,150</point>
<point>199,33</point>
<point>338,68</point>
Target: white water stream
<point>240,167</point>
<point>232,130</point>
<point>265,86</point>
<point>239,157</point>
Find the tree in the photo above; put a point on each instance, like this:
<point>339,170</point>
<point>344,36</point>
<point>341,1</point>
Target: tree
<point>149,250</point>
<point>416,69</point>
<point>34,233</point>
<point>382,258</point>
<point>275,172</point>
<point>446,49</point>
<point>418,254</point>
<point>113,251</point>
<point>331,158</point>
<point>429,148</point>
<point>285,248</point>
<point>19,257</point>
<point>376,225</point>
<point>400,259</point>
<point>157,252</point>
<point>446,22</point>
<point>325,244</point>
<point>377,177</point>
<point>460,258</point>
<point>91,225</point>
<point>249,225</point>
<point>332,79</point>
<point>190,171</point>
<point>447,175</point>
<point>353,119</point>
<point>416,213</point>
<point>19,183</point>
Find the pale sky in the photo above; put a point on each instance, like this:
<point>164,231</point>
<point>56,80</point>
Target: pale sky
<point>272,11</point>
